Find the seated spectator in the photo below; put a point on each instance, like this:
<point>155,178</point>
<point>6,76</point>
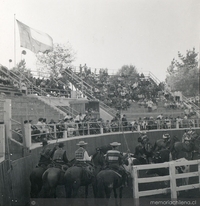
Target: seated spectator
<point>68,116</point>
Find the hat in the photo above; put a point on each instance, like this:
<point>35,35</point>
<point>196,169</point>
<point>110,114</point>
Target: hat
<point>187,138</point>
<point>165,136</point>
<point>44,142</point>
<point>81,143</point>
<point>115,144</point>
<point>144,137</point>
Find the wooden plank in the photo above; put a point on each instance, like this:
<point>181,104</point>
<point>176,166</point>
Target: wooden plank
<point>153,179</point>
<point>185,175</point>
<point>152,166</point>
<point>187,187</point>
<point>172,173</point>
<point>183,163</point>
<point>199,174</point>
<point>153,192</point>
<point>135,183</point>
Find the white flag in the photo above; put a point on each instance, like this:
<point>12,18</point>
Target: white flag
<point>34,40</point>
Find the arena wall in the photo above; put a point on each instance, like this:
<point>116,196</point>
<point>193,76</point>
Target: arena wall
<point>15,175</point>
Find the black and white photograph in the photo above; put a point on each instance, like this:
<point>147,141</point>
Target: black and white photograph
<point>99,102</point>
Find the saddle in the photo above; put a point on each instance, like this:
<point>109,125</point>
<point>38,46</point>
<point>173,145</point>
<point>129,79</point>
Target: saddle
<point>62,167</point>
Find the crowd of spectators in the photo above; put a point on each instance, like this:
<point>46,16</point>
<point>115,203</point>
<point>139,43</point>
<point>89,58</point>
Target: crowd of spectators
<point>87,124</point>
<point>119,91</point>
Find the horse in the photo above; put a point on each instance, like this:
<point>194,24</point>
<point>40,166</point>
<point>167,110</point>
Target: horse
<point>186,150</point>
<point>53,177</point>
<point>148,151</point>
<point>143,153</point>
<point>36,181</point>
<point>161,144</point>
<point>75,177</point>
<point>164,156</point>
<point>108,180</point>
<point>98,159</point>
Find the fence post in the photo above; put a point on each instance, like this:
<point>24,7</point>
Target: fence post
<point>177,124</point>
<point>8,128</point>
<point>27,133</point>
<point>172,174</point>
<point>135,186</point>
<point>88,127</point>
<point>54,129</point>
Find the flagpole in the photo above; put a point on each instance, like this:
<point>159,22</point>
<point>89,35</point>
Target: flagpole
<point>14,42</point>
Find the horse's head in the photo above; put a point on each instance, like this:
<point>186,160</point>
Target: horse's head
<point>156,158</point>
<point>148,147</point>
<point>98,158</point>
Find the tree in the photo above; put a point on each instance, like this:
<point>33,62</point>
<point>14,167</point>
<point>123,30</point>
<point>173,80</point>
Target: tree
<point>22,69</point>
<point>183,74</point>
<point>52,63</point>
<point>129,73</point>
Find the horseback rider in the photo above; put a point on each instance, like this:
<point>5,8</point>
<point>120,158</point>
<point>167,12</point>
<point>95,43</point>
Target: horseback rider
<point>83,159</point>
<point>187,140</point>
<point>46,154</point>
<point>114,160</point>
<point>60,157</point>
<point>140,148</point>
<point>166,139</point>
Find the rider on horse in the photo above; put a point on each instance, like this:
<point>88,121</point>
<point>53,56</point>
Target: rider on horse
<point>140,148</point>
<point>167,139</point>
<point>83,159</point>
<point>114,160</point>
<point>46,154</point>
<point>60,157</point>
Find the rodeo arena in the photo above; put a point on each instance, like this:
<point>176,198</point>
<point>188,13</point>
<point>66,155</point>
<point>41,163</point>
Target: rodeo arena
<point>81,139</point>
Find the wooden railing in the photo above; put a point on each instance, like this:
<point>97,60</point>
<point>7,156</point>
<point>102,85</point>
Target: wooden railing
<point>172,177</point>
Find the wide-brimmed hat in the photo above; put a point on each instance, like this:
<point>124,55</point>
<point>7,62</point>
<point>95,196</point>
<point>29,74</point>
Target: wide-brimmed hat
<point>81,143</point>
<point>115,144</point>
<point>165,136</point>
<point>187,138</point>
<point>143,137</point>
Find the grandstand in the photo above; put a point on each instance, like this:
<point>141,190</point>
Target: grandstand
<point>136,97</point>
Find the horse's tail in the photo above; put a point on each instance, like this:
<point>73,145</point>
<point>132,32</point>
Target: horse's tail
<point>44,177</point>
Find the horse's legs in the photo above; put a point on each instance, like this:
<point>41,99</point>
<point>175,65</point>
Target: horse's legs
<point>34,190</point>
<point>86,191</point>
<point>75,188</point>
<point>120,195</point>
<point>52,192</point>
<point>115,195</point>
<point>68,191</point>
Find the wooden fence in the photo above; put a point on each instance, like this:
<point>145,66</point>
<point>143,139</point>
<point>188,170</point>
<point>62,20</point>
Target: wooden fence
<point>172,177</point>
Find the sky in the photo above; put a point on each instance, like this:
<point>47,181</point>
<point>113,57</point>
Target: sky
<point>106,33</point>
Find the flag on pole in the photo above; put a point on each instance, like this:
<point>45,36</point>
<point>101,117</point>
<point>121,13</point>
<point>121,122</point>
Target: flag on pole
<point>34,40</point>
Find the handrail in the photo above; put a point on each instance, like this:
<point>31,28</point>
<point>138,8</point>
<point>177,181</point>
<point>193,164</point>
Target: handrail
<point>154,78</point>
<point>31,85</point>
<point>90,96</point>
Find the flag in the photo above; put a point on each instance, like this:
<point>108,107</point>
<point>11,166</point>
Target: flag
<point>34,40</point>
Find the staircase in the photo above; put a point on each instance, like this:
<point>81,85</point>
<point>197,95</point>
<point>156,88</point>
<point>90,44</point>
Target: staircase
<point>32,89</point>
<point>86,89</point>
